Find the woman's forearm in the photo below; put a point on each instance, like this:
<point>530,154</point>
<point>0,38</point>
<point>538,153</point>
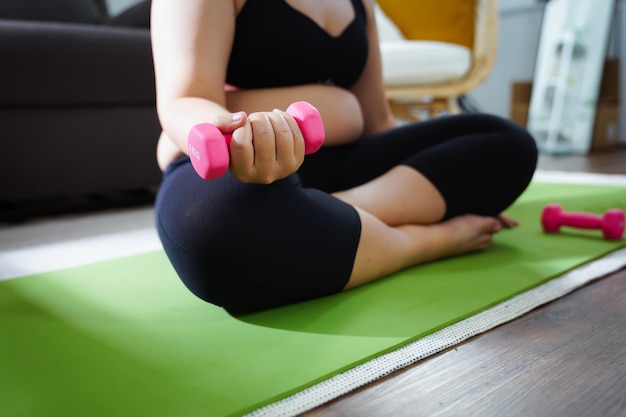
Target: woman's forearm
<point>340,111</point>
<point>180,115</point>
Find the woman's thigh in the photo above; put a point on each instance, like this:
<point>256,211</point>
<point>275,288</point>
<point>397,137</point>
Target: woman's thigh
<point>248,247</point>
<point>479,163</point>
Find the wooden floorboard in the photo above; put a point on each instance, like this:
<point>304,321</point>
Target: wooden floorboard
<point>567,358</point>
<point>607,161</point>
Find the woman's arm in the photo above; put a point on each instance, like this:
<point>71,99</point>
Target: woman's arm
<point>191,43</point>
<point>369,89</point>
<point>191,47</point>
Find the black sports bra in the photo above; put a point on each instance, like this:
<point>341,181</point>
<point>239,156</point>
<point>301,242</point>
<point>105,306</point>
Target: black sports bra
<point>275,45</point>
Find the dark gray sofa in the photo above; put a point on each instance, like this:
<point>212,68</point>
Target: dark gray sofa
<point>77,106</point>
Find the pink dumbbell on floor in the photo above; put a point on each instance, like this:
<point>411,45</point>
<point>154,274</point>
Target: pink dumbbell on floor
<point>208,147</point>
<point>611,224</point>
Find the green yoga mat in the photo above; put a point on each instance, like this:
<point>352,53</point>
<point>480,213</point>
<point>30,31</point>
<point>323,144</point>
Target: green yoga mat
<point>125,338</point>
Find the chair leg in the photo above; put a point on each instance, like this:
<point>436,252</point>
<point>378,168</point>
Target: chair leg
<point>407,111</point>
<point>453,105</point>
<point>412,111</point>
<point>402,110</point>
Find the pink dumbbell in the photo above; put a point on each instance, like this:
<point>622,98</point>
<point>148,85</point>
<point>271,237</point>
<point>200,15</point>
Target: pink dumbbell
<point>208,147</point>
<point>611,224</point>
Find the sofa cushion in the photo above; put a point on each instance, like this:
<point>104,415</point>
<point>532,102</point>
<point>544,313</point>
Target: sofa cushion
<point>72,64</point>
<point>410,62</point>
<point>451,21</point>
<point>423,62</point>
<point>78,11</point>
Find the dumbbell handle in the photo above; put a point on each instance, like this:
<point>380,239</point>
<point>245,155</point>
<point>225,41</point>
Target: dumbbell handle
<point>581,220</point>
<point>208,146</point>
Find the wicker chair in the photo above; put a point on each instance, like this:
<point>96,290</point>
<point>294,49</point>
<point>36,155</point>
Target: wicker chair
<point>435,52</point>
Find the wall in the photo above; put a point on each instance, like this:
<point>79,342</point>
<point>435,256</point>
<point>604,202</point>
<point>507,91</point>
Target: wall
<point>520,28</point>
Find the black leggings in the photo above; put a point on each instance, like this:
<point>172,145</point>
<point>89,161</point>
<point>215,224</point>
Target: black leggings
<point>250,247</point>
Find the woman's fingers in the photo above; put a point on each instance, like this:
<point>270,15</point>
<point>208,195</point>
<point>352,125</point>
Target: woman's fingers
<point>297,143</point>
<point>264,143</point>
<point>242,152</point>
<point>268,147</point>
<point>289,141</point>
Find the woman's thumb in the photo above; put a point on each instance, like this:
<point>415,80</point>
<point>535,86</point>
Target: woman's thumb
<point>228,122</point>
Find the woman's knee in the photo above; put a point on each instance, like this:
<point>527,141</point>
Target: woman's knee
<point>515,142</point>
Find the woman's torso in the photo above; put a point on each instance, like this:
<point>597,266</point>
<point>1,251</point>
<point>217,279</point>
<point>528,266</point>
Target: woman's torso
<point>282,43</point>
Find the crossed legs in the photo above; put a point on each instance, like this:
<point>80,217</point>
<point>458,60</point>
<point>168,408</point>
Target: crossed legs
<point>396,236</point>
<point>443,197</point>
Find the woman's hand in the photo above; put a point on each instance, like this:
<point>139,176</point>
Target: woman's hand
<point>265,146</point>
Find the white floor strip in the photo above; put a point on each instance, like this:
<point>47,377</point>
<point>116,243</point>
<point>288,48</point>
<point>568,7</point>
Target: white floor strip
<point>580,178</point>
<point>60,243</point>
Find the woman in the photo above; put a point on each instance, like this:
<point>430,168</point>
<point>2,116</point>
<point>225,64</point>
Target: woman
<point>280,228</point>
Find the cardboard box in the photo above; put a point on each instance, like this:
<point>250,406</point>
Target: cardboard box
<point>606,125</point>
<point>520,102</point>
<point>609,87</point>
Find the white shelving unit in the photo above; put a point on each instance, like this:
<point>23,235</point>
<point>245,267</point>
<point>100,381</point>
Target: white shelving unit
<point>568,72</point>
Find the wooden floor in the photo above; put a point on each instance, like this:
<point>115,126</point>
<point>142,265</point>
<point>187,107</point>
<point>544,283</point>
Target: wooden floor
<point>567,358</point>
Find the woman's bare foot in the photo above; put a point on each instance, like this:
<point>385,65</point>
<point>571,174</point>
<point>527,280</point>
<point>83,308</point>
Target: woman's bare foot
<point>384,249</point>
<point>470,233</point>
